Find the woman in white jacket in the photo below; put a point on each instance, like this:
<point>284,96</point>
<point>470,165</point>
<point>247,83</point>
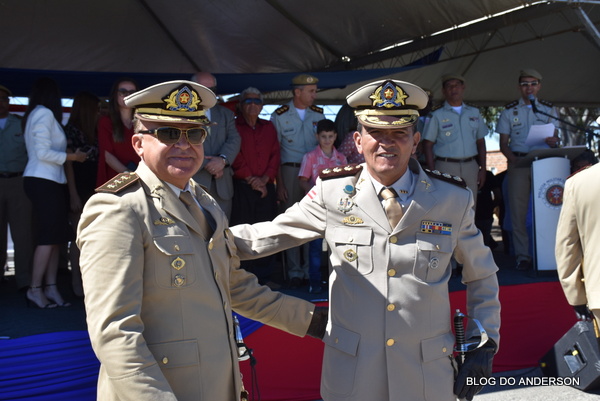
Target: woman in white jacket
<point>45,185</point>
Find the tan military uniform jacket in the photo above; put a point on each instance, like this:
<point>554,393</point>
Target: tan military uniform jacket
<point>578,239</point>
<point>389,335</point>
<point>159,296</point>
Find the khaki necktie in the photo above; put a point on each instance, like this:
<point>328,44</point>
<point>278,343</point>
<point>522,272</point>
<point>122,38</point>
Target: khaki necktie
<point>392,207</point>
<point>195,210</point>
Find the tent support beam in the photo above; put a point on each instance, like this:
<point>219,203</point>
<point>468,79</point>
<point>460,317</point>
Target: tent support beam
<point>169,35</point>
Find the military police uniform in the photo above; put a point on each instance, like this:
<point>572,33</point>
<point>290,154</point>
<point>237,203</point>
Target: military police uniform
<point>16,207</point>
<point>296,138</point>
<point>455,141</point>
<point>515,121</point>
<point>159,289</point>
<point>389,334</point>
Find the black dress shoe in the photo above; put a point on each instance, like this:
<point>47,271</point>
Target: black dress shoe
<point>524,265</point>
<point>295,282</point>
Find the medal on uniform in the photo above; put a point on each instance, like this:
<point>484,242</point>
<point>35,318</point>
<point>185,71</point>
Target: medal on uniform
<point>179,280</point>
<point>345,205</point>
<point>350,255</point>
<point>352,220</point>
<point>348,189</point>
<point>178,263</point>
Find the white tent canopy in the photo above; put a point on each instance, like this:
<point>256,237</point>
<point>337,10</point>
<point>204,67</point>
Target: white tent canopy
<point>159,39</point>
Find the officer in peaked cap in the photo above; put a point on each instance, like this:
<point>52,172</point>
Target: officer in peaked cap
<point>159,266</point>
<point>389,331</point>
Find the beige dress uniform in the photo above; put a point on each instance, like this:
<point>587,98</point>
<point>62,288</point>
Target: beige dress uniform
<point>578,238</point>
<point>159,295</point>
<point>389,333</point>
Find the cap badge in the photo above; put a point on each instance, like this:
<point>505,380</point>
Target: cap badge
<point>388,95</point>
<point>182,99</point>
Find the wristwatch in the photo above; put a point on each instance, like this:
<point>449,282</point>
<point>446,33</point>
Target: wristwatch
<point>225,161</point>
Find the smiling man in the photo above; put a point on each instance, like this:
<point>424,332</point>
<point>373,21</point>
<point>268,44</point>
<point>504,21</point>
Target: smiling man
<point>389,333</point>
<point>159,266</point>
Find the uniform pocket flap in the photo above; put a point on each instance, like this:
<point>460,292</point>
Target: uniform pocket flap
<point>437,347</point>
<point>434,242</point>
<point>174,244</point>
<point>175,354</point>
<point>357,236</point>
<point>343,340</point>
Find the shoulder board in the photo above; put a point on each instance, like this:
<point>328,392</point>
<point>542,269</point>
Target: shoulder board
<point>341,171</point>
<point>282,109</point>
<point>436,107</point>
<point>471,105</point>
<point>316,109</point>
<point>452,179</point>
<point>579,171</point>
<point>118,183</point>
<point>511,104</point>
<point>545,103</point>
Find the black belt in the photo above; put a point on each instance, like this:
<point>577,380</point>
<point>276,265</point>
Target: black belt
<point>10,175</point>
<point>519,154</point>
<point>292,164</point>
<point>449,159</point>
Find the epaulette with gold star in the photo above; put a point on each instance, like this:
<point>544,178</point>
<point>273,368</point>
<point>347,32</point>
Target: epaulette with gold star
<point>341,171</point>
<point>316,109</point>
<point>282,109</point>
<point>118,183</point>
<point>453,179</point>
<point>545,103</point>
<point>511,104</point>
<point>580,170</point>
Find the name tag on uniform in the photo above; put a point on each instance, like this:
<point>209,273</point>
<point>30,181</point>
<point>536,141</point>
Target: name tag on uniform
<point>435,227</point>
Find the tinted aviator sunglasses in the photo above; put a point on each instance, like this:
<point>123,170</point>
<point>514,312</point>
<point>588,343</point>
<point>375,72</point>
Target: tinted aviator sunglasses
<point>171,135</point>
<point>252,100</point>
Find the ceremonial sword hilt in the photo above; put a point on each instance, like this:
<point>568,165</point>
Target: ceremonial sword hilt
<point>462,346</point>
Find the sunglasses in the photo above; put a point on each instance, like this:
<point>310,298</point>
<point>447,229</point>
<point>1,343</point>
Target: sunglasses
<point>250,100</point>
<point>124,92</point>
<point>171,135</point>
<point>529,83</point>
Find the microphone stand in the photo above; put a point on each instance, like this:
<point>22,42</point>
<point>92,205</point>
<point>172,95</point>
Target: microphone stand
<point>589,132</point>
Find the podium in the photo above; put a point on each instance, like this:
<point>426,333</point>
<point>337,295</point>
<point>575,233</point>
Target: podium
<point>549,170</point>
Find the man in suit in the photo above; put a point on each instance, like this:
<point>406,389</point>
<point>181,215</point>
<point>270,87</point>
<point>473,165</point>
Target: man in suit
<point>577,239</point>
<point>389,335</point>
<point>220,149</point>
<point>161,275</point>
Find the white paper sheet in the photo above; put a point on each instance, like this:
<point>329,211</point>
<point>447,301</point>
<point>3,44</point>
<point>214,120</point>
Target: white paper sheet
<point>536,138</point>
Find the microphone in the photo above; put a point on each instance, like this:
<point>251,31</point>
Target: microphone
<point>532,101</point>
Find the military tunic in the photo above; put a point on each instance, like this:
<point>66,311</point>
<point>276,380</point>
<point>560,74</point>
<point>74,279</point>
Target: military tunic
<point>159,295</point>
<point>389,333</point>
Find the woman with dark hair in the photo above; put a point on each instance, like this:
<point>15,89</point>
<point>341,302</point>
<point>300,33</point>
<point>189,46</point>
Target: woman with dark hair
<point>81,177</point>
<point>45,185</point>
<point>116,154</point>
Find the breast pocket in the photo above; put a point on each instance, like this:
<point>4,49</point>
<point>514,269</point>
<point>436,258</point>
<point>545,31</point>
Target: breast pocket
<point>432,257</point>
<point>174,261</point>
<point>353,247</point>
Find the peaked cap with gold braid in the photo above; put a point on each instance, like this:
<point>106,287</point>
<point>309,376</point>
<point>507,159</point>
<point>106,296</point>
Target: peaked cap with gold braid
<point>173,101</point>
<point>388,103</point>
